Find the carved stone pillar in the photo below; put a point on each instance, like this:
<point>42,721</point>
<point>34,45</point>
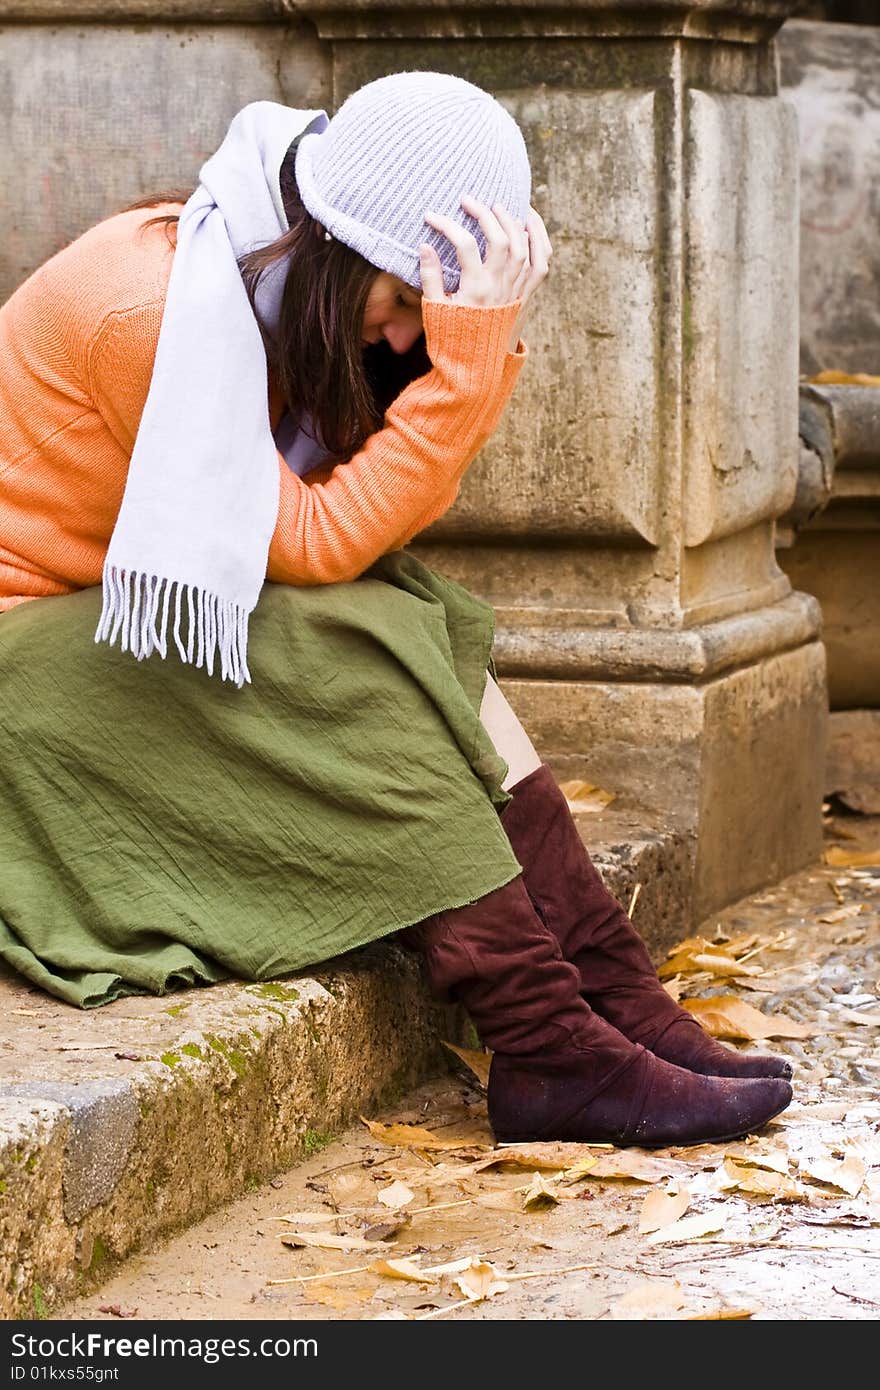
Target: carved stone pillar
<point>622,519</point>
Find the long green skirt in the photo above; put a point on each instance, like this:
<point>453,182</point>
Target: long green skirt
<point>161,828</point>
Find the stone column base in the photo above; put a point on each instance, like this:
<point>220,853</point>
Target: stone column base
<point>735,762</point>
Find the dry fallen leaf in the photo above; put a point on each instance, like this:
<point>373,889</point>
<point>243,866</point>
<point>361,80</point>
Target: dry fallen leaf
<point>481,1280</point>
<point>386,1230</point>
<point>689,1228</point>
<point>117,1311</point>
<point>848,1174</point>
<point>479,1062</point>
<point>395,1196</point>
<point>655,1298</point>
<point>414,1137</point>
<point>557,1154</point>
<point>727,1016</point>
<point>763,1182</point>
<point>355,1189</point>
<point>710,959</point>
<point>539,1194</point>
<point>832,376</point>
<point>584,797</point>
<point>725,1313</point>
<point>852,857</point>
<point>309,1218</point>
<point>510,1200</point>
<point>842,914</point>
<point>628,1163</point>
<point>297,1239</point>
<point>754,1156</point>
<point>660,1208</point>
<point>402,1269</point>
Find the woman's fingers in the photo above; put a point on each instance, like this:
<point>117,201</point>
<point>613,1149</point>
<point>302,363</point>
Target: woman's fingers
<point>466,249</point>
<point>519,258</point>
<point>497,276</point>
<point>540,252</point>
<point>430,273</point>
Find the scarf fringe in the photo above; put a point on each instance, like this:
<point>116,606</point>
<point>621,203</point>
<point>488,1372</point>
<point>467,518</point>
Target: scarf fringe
<point>138,608</point>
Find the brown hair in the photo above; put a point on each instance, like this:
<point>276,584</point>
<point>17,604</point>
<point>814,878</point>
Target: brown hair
<point>316,352</point>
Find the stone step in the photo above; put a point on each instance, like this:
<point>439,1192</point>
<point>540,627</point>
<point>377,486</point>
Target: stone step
<point>122,1124</point>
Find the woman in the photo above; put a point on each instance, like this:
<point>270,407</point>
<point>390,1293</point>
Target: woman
<point>232,413</point>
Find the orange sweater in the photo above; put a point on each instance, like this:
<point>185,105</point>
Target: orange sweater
<point>77,344</point>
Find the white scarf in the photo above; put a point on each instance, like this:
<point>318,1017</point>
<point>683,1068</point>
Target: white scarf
<point>191,541</point>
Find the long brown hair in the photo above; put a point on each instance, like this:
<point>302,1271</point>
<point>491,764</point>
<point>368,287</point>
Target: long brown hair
<point>316,354</point>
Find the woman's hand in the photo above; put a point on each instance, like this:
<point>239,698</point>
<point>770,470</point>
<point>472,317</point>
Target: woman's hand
<point>516,262</point>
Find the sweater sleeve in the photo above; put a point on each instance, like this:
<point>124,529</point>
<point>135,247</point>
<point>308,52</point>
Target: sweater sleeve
<point>408,472</point>
<point>441,505</point>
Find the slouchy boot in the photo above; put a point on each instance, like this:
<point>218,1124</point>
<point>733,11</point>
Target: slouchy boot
<point>617,976</point>
<point>558,1070</point>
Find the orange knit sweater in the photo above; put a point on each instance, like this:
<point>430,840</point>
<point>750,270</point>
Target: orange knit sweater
<point>77,344</point>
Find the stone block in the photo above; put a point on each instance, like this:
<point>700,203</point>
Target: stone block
<point>100,115</point>
<point>737,760</point>
<point>740,314</point>
<point>829,75</point>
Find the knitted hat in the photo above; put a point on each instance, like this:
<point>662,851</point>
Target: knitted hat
<point>407,144</point>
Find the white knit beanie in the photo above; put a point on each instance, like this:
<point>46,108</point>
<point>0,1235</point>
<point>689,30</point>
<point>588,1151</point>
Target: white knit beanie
<point>401,146</point>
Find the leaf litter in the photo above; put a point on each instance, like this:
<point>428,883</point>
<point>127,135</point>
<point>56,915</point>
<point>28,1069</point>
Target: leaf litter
<point>782,1189</point>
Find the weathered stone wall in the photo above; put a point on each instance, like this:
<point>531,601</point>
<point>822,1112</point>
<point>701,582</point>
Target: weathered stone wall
<point>831,75</point>
<point>99,113</point>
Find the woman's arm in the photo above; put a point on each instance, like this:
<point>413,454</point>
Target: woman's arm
<point>408,472</point>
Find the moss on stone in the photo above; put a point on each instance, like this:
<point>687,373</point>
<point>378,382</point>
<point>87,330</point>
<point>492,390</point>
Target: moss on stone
<point>314,1140</point>
<point>271,989</point>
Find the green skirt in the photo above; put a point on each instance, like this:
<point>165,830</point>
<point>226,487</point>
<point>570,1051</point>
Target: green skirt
<point>161,828</point>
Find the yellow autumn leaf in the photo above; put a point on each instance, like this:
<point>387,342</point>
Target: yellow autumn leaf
<point>832,376</point>
<point>584,797</point>
<point>660,1208</point>
<point>721,1313</point>
<point>852,858</point>
<point>762,1182</point>
<point>403,1269</point>
<point>753,1156</point>
<point>479,1062</point>
<point>480,1281</point>
<point>415,1137</point>
<point>709,959</point>
<point>538,1194</point>
<point>727,1016</point>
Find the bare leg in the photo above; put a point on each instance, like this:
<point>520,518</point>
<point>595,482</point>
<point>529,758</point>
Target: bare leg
<point>510,738</point>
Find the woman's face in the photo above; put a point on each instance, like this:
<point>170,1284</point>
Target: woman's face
<point>393,311</point>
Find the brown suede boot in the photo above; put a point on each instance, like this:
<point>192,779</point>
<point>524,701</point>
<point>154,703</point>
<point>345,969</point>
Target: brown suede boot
<point>559,1071</point>
<point>617,977</point>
